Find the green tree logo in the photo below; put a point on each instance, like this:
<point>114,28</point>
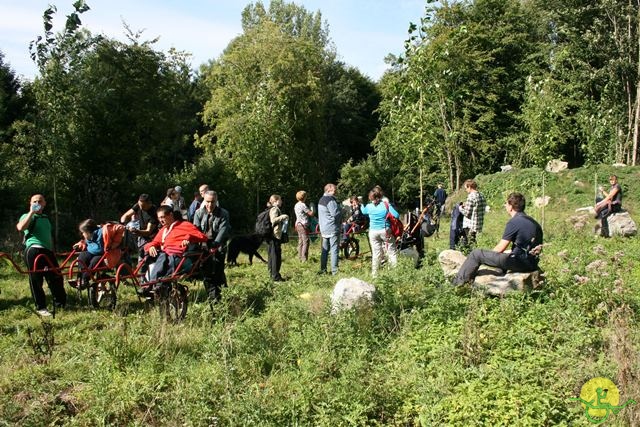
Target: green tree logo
<point>599,398</point>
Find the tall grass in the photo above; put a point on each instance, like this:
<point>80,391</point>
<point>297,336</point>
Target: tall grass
<point>272,354</point>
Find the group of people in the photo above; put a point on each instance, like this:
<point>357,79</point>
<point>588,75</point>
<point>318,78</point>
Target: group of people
<point>163,236</point>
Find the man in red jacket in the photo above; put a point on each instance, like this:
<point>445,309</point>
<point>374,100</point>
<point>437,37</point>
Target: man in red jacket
<point>171,243</point>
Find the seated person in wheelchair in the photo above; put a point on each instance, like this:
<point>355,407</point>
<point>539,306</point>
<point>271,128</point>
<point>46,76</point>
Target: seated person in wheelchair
<point>356,222</point>
<point>171,243</point>
<point>92,249</point>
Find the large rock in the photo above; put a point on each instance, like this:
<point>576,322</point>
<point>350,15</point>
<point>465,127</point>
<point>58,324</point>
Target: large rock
<point>351,292</point>
<point>621,224</point>
<point>451,261</point>
<point>489,280</point>
<point>499,285</point>
<point>555,166</point>
<point>539,202</point>
<point>506,168</point>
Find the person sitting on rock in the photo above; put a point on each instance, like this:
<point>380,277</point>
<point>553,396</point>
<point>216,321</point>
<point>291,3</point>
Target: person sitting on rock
<point>609,204</point>
<point>522,232</point>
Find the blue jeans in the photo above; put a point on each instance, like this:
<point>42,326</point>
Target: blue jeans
<point>330,244</point>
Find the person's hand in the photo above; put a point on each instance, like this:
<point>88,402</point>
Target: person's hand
<point>134,231</point>
<point>76,246</point>
<point>185,243</point>
<point>153,251</point>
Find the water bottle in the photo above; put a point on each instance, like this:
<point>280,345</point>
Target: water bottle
<point>36,207</point>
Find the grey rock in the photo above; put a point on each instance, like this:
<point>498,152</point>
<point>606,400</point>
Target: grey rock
<point>506,168</point>
<point>451,261</point>
<point>621,224</point>
<point>555,166</point>
<point>351,292</point>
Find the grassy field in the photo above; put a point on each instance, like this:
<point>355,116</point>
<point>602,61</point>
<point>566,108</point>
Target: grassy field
<point>272,354</point>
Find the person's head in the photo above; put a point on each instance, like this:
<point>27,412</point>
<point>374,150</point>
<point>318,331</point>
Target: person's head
<point>275,200</point>
<point>38,198</point>
<point>613,179</point>
<point>301,196</point>
<point>354,202</point>
<point>470,185</point>
<point>172,193</point>
<point>209,200</point>
<point>196,195</point>
<point>203,189</point>
<point>178,189</point>
<point>330,189</point>
<point>516,201</point>
<point>87,227</point>
<point>165,215</point>
<point>375,195</point>
<point>439,185</point>
<point>144,201</point>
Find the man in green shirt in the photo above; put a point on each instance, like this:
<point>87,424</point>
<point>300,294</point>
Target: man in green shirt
<point>38,240</point>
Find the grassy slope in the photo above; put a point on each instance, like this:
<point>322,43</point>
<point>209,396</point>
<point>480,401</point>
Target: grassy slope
<point>273,355</point>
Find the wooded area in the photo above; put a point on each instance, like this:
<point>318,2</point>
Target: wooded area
<point>479,84</point>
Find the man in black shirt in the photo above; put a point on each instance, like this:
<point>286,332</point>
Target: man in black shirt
<point>147,222</point>
<point>522,232</point>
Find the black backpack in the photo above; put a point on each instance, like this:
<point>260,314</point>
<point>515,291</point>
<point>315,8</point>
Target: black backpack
<point>264,228</point>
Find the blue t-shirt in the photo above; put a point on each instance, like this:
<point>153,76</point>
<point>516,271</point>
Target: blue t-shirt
<point>378,214</point>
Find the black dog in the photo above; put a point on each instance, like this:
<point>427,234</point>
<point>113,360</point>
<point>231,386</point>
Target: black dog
<point>245,244</point>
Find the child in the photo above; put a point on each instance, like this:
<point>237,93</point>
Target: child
<point>92,250</point>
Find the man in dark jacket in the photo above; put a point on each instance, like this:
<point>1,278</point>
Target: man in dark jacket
<point>214,222</point>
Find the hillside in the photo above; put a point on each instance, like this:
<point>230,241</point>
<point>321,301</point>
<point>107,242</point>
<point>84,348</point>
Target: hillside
<point>272,354</point>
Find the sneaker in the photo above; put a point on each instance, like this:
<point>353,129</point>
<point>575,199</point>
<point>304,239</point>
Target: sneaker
<point>43,312</point>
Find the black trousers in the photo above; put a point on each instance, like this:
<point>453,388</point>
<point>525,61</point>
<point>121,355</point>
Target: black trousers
<point>53,276</point>
<point>87,261</point>
<point>274,260</point>
<point>214,277</point>
<point>506,262</point>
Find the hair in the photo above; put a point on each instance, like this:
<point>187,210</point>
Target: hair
<point>211,193</point>
<point>375,195</point>
<point>144,197</point>
<point>472,184</point>
<point>301,195</point>
<point>354,198</point>
<point>614,177</point>
<point>166,209</point>
<point>273,198</point>
<point>329,187</point>
<point>171,191</point>
<point>517,202</point>
<point>88,226</point>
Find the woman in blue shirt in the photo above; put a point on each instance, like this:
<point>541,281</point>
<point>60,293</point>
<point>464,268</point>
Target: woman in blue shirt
<point>92,250</point>
<point>381,239</point>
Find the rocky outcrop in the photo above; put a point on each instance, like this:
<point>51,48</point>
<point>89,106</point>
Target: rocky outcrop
<point>351,292</point>
<point>555,166</point>
<point>489,280</point>
<point>620,224</point>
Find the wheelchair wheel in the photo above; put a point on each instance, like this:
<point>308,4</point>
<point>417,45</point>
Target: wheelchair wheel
<point>103,295</point>
<point>172,301</point>
<point>352,248</point>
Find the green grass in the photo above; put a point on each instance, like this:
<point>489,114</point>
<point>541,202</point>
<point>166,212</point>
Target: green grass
<point>272,354</point>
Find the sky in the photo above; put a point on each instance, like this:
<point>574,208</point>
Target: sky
<point>363,31</point>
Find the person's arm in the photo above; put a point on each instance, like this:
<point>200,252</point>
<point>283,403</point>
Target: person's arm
<point>197,219</point>
<point>153,245</point>
<point>502,246</point>
<point>126,217</point>
<point>334,211</point>
<point>393,211</point>
<point>611,194</point>
<point>23,224</point>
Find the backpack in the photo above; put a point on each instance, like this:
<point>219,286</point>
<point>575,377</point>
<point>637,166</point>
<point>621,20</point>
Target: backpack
<point>395,225</point>
<point>264,228</point>
<point>113,238</point>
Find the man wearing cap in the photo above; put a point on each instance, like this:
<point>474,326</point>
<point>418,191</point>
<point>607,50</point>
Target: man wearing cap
<point>181,205</point>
